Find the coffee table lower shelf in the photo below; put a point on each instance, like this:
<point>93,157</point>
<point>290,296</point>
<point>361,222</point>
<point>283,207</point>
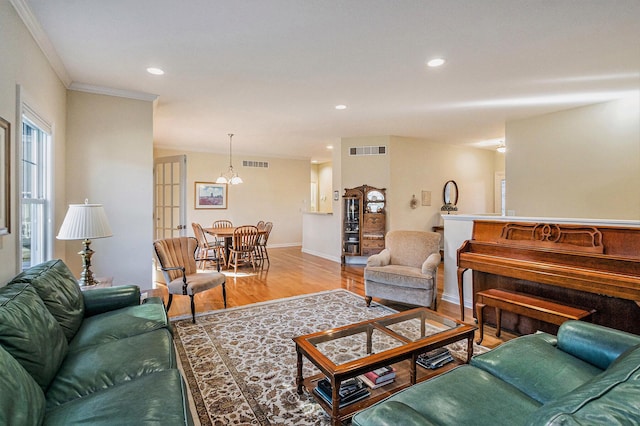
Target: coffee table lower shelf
<point>402,381</point>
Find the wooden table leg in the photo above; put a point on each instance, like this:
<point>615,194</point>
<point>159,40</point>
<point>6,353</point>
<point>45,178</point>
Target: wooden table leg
<point>299,378</point>
<point>335,403</point>
<point>469,348</point>
<point>461,292</point>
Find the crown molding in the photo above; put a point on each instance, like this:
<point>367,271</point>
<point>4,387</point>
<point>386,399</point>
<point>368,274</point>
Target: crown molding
<point>101,90</point>
<point>42,40</point>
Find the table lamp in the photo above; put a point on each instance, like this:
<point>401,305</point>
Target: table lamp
<point>85,222</point>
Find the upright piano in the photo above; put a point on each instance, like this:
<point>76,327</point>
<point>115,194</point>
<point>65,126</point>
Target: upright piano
<point>595,267</point>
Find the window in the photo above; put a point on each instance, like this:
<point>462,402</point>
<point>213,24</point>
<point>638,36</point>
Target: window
<point>35,206</point>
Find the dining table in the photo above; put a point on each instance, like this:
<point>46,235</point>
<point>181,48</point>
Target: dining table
<point>227,234</point>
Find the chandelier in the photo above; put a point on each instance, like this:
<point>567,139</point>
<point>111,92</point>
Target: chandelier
<point>229,177</point>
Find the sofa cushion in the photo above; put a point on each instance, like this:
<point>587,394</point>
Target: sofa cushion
<point>465,395</point>
<point>59,290</point>
<point>398,275</point>
<point>30,333</point>
<point>155,399</point>
<point>22,401</point>
<point>536,368</point>
<point>119,324</point>
<point>102,366</point>
<point>611,398</point>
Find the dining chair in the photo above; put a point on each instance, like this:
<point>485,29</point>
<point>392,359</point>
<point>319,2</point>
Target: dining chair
<point>261,248</point>
<point>260,225</point>
<point>243,247</point>
<point>208,252</point>
<point>178,264</point>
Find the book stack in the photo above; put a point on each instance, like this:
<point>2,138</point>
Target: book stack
<point>435,358</point>
<point>379,377</point>
<point>351,390</point>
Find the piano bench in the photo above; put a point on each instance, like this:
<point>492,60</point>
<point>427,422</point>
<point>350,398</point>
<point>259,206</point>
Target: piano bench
<point>524,304</point>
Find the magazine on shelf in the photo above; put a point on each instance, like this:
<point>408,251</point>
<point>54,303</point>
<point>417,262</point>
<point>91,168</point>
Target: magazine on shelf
<point>372,385</point>
<point>434,359</point>
<point>351,390</point>
<point>382,374</point>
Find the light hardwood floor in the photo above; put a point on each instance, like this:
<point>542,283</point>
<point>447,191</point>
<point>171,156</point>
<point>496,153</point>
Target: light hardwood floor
<point>294,273</point>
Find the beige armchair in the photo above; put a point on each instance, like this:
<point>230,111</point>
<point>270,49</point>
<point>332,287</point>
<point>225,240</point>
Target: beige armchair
<point>406,270</point>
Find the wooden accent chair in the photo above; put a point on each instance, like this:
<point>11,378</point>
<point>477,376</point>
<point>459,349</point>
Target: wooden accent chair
<point>406,270</point>
<point>243,247</point>
<point>261,247</point>
<point>208,252</point>
<point>178,265</point>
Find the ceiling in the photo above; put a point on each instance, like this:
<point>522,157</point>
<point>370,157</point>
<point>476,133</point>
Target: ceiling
<point>272,71</point>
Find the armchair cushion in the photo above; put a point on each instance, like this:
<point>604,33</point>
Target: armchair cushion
<point>59,290</point>
<point>398,275</point>
<point>411,248</point>
<point>196,282</point>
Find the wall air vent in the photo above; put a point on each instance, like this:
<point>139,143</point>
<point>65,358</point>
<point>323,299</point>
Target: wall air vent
<point>368,150</point>
<point>259,164</point>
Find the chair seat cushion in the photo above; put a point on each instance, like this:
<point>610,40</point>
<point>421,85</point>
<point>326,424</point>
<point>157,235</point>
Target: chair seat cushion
<point>398,275</point>
<point>102,366</point>
<point>197,282</point>
<point>119,324</point>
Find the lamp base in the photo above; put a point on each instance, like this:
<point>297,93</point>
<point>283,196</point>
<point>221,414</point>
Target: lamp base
<point>86,277</point>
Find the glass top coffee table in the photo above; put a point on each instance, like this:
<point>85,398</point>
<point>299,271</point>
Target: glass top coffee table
<point>346,352</point>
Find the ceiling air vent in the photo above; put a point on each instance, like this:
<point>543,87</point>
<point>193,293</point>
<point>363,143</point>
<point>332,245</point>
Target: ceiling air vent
<point>368,150</point>
<point>259,164</point>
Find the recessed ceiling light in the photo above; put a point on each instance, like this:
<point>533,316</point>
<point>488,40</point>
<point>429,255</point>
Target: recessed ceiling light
<point>435,62</point>
<point>155,71</point>
<point>329,146</point>
<point>341,107</point>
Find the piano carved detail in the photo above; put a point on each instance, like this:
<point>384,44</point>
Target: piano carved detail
<point>559,237</point>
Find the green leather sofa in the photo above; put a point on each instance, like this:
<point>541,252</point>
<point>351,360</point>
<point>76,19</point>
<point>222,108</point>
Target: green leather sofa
<point>587,375</point>
<point>95,357</point>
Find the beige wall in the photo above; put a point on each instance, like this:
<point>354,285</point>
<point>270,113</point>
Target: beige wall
<point>325,187</point>
<point>110,162</point>
<point>413,165</point>
<point>279,194</point>
<point>580,163</point>
<point>418,165</point>
<point>23,63</point>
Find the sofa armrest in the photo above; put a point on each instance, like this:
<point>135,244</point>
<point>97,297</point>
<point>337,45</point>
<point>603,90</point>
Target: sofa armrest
<point>595,344</point>
<point>391,413</point>
<point>381,259</point>
<point>108,299</point>
<point>431,264</point>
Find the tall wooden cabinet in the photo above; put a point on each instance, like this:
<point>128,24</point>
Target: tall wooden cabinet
<point>363,221</point>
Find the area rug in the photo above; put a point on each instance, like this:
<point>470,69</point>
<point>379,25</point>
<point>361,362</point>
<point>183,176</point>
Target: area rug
<point>240,363</point>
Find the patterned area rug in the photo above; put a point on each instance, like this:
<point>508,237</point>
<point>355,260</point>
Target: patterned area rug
<point>240,363</point>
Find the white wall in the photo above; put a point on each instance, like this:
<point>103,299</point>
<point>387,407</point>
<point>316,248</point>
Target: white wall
<point>582,163</point>
<point>110,162</point>
<point>23,63</point>
<point>279,194</point>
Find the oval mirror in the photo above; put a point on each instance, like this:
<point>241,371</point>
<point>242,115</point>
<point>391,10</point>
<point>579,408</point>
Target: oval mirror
<point>450,193</point>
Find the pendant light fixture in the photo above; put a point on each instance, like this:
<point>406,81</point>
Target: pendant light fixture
<point>229,177</point>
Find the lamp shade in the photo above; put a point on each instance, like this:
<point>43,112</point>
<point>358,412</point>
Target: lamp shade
<point>84,221</point>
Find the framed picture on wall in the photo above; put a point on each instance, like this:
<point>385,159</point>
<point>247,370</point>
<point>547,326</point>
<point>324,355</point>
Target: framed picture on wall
<point>5,174</point>
<point>211,195</point>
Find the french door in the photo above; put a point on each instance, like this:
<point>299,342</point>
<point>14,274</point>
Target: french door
<point>170,196</point>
